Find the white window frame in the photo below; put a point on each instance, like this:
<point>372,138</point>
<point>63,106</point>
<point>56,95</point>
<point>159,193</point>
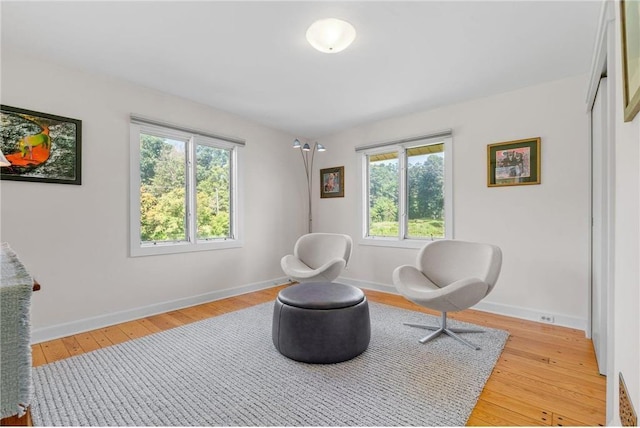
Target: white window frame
<point>401,147</point>
<point>192,243</point>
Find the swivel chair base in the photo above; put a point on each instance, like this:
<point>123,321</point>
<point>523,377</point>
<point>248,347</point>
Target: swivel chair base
<point>448,331</point>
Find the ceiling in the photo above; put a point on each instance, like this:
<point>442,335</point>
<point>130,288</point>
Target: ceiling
<point>252,58</point>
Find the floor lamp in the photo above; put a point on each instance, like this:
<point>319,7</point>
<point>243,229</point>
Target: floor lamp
<point>308,166</point>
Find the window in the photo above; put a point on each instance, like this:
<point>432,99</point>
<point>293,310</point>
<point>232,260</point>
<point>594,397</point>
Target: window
<point>407,191</point>
<point>184,189</point>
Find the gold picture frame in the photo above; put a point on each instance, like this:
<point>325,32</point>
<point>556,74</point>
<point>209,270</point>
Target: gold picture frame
<point>630,27</point>
<point>513,163</point>
<point>332,182</point>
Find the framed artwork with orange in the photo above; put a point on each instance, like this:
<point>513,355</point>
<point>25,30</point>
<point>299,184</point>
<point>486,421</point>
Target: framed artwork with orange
<point>40,147</point>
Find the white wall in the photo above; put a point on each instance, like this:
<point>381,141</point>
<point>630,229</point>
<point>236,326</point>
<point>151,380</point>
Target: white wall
<point>626,353</point>
<point>543,229</point>
<point>74,239</point>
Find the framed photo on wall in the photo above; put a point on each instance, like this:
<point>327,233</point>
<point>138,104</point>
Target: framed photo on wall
<point>513,163</point>
<point>630,26</point>
<point>332,182</point>
<point>39,147</point>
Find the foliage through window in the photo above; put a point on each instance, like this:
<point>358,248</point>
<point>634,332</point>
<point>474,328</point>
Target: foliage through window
<point>163,214</point>
<point>383,194</point>
<point>425,191</point>
<point>185,184</point>
<point>406,190</point>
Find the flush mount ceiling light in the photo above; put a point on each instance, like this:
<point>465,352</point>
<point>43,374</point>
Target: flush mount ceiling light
<point>331,35</point>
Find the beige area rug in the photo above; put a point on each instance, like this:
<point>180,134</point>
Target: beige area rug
<point>225,371</point>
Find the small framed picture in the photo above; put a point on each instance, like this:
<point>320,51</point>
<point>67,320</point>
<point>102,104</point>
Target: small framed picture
<point>513,163</point>
<point>40,147</point>
<point>332,182</point>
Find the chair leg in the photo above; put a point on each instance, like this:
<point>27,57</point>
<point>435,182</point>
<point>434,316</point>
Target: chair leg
<point>461,340</point>
<point>426,327</point>
<point>448,331</point>
<point>466,330</point>
<point>433,335</point>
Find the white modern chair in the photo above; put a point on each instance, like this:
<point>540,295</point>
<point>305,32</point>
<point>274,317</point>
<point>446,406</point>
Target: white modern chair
<point>449,276</point>
<point>318,257</point>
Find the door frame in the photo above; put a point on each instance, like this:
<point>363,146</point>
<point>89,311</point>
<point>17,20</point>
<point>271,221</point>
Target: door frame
<point>604,64</point>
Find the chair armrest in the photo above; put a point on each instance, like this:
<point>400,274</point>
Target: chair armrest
<point>459,295</point>
<point>292,266</point>
<point>335,261</point>
<point>412,283</point>
<point>465,293</point>
<point>408,277</point>
<point>331,269</point>
<point>299,271</point>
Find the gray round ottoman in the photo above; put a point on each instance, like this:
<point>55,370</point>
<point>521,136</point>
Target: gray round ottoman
<point>321,322</point>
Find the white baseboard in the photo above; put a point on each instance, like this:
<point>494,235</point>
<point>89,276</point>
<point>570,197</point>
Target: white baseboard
<point>494,308</point>
<point>532,314</point>
<point>44,334</point>
<point>66,329</point>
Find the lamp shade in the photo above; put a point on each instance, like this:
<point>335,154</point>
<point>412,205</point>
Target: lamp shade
<point>331,35</point>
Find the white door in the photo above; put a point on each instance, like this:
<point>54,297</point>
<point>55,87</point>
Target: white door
<point>601,200</point>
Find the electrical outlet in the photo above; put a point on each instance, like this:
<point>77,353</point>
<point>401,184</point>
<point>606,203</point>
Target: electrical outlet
<point>549,319</point>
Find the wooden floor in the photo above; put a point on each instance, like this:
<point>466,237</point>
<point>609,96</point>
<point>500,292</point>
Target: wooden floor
<point>546,375</point>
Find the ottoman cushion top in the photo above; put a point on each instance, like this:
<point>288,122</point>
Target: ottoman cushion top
<point>321,295</point>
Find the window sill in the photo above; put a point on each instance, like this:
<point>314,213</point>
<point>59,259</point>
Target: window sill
<point>183,247</point>
<point>396,243</point>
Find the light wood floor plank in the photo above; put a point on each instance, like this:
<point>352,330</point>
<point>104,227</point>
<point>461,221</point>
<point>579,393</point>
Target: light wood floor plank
<point>37,356</point>
<point>509,417</point>
<point>149,325</point>
<point>475,421</point>
<point>555,403</point>
<point>559,338</point>
<point>563,421</point>
<point>181,317</point>
<point>512,401</point>
<point>134,329</point>
<point>531,356</point>
<point>493,419</point>
<point>554,391</point>
<point>114,334</point>
<point>594,386</point>
<point>212,309</point>
<point>164,321</point>
<point>556,352</point>
<point>586,367</point>
<point>73,346</point>
<point>54,350</point>
<point>100,338</point>
<point>233,304</point>
<point>87,342</point>
<point>195,313</point>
